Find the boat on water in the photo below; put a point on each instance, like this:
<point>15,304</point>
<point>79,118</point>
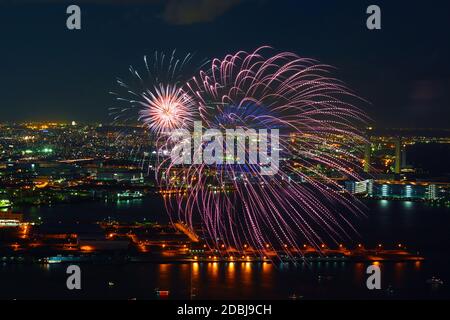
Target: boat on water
<point>435,281</point>
<point>324,277</point>
<point>162,293</point>
<point>130,195</point>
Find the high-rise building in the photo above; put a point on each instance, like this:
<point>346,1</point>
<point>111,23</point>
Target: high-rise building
<point>431,192</point>
<point>367,151</point>
<point>398,155</point>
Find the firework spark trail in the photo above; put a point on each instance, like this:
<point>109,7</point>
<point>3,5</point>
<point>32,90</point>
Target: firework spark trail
<point>318,129</point>
<point>237,205</point>
<point>158,97</point>
<point>155,98</point>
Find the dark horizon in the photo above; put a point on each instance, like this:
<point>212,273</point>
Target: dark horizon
<point>51,73</point>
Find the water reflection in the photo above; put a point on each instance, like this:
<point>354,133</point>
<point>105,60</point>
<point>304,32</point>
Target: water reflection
<point>399,272</point>
<point>266,267</point>
<point>212,269</point>
<point>126,204</point>
<point>417,265</point>
<point>45,266</point>
<point>416,225</point>
<point>408,204</point>
<point>163,278</point>
<point>230,275</point>
<point>279,281</point>
<point>384,204</point>
<point>359,272</point>
<point>215,280</point>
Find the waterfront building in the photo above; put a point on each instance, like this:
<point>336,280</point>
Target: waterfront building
<point>409,190</point>
<point>359,187</point>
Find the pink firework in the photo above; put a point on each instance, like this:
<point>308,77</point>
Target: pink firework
<point>155,96</point>
<point>320,144</point>
<point>166,108</point>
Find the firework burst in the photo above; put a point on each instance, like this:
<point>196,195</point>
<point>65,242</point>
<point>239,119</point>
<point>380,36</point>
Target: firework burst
<point>155,97</point>
<point>166,108</point>
<point>319,143</point>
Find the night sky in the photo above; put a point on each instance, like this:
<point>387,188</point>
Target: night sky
<point>48,72</point>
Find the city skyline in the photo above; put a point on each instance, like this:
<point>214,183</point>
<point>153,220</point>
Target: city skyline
<point>84,195</point>
<point>224,151</point>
